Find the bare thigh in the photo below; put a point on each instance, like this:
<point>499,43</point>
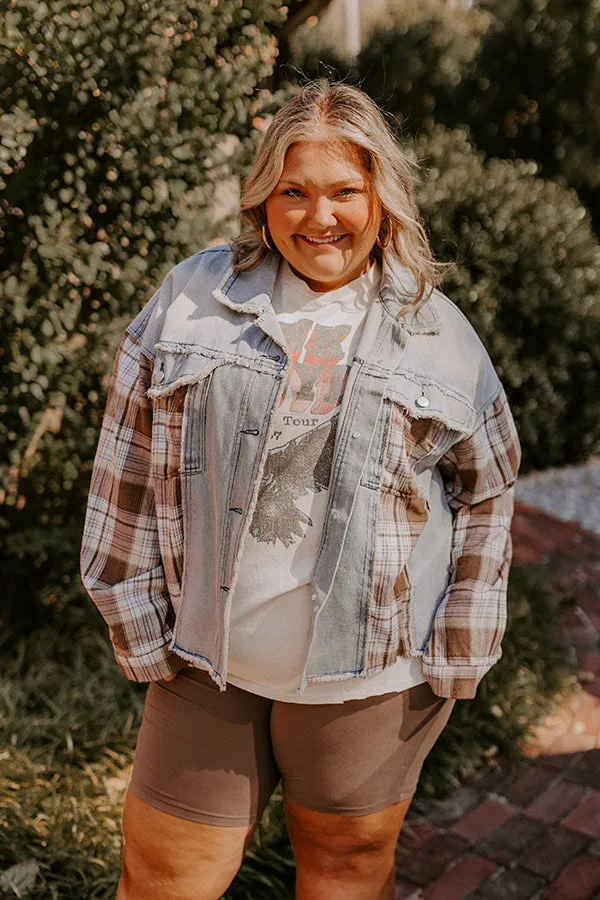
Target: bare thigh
<point>170,858</point>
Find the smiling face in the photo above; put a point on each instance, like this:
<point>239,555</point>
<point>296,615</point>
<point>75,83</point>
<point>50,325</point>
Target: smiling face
<point>323,215</point>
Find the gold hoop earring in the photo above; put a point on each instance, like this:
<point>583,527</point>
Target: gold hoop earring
<point>389,238</point>
<point>265,240</point>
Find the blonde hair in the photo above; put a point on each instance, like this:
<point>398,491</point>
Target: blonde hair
<point>341,111</point>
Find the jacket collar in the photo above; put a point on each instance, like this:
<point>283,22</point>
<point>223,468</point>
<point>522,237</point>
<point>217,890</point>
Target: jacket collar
<point>398,287</point>
<point>251,292</point>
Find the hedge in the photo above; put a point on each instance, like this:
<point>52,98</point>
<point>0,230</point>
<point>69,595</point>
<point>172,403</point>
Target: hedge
<point>125,128</point>
<point>527,277</point>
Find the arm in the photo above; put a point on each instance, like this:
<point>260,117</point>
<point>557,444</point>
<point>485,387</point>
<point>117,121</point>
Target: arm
<point>121,565</point>
<point>480,473</point>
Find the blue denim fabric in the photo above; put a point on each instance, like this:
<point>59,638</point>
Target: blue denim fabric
<point>215,330</point>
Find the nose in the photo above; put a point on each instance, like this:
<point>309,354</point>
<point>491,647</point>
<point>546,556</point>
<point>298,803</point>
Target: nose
<point>321,213</point>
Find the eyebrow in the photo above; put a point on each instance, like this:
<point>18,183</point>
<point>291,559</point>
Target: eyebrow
<point>344,183</point>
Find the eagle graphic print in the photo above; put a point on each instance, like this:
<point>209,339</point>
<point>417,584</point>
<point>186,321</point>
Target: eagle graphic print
<point>301,449</point>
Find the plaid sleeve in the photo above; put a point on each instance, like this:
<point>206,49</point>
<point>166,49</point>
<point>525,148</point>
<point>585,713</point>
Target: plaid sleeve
<point>480,473</point>
<point>120,559</point>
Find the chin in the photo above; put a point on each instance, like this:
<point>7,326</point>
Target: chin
<point>333,266</point>
<point>325,274</point>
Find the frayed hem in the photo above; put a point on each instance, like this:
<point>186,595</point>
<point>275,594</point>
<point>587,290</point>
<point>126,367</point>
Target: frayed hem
<point>194,659</point>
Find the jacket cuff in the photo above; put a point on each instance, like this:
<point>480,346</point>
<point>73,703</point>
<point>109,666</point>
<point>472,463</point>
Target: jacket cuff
<point>152,666</point>
<point>458,681</point>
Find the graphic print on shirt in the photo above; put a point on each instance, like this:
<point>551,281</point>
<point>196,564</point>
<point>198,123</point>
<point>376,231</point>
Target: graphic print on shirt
<point>301,445</point>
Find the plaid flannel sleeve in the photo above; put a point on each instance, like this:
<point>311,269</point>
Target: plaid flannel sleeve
<point>120,559</point>
<point>480,473</point>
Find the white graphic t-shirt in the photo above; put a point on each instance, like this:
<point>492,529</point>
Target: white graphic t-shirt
<point>271,599</point>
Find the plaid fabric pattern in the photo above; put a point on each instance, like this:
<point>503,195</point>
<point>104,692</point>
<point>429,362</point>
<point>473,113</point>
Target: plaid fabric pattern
<point>479,474</point>
<point>123,566</point>
<point>401,516</point>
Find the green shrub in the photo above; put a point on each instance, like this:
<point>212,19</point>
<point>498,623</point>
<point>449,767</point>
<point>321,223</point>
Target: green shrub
<point>413,54</point>
<point>531,91</point>
<point>527,277</point>
<point>124,130</point>
<point>69,724</point>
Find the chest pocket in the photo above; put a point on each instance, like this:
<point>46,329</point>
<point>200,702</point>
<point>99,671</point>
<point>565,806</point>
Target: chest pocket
<point>180,389</point>
<point>418,422</point>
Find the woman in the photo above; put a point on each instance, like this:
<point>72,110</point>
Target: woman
<point>298,522</point>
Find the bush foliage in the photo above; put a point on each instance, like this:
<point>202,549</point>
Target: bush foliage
<point>413,55</point>
<point>531,91</point>
<point>124,130</point>
<point>527,275</point>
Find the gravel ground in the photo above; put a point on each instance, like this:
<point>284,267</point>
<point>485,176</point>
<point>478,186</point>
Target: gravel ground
<point>570,492</point>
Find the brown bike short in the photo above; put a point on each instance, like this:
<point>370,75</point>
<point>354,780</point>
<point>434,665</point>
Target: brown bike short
<point>216,757</point>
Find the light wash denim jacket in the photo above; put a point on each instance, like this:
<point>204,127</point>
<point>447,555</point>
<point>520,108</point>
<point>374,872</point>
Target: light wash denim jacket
<point>416,546</point>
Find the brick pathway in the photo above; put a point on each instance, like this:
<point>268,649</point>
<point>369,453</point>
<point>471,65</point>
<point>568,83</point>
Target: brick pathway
<point>532,832</point>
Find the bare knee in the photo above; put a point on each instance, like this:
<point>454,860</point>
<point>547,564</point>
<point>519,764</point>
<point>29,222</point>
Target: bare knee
<point>168,858</point>
<point>356,857</point>
<point>356,845</point>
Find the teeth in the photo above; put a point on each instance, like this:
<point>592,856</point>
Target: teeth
<point>325,240</point>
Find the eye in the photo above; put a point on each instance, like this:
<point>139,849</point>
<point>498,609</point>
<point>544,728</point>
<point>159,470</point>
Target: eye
<point>291,192</point>
<point>348,191</point>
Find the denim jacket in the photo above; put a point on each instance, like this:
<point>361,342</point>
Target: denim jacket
<point>415,550</point>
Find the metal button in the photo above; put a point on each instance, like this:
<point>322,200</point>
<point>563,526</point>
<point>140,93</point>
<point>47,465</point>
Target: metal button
<point>356,434</point>
<point>422,401</point>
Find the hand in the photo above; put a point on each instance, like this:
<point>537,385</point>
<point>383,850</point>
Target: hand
<point>170,677</point>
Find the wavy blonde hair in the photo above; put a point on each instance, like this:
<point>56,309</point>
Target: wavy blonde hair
<point>323,110</point>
